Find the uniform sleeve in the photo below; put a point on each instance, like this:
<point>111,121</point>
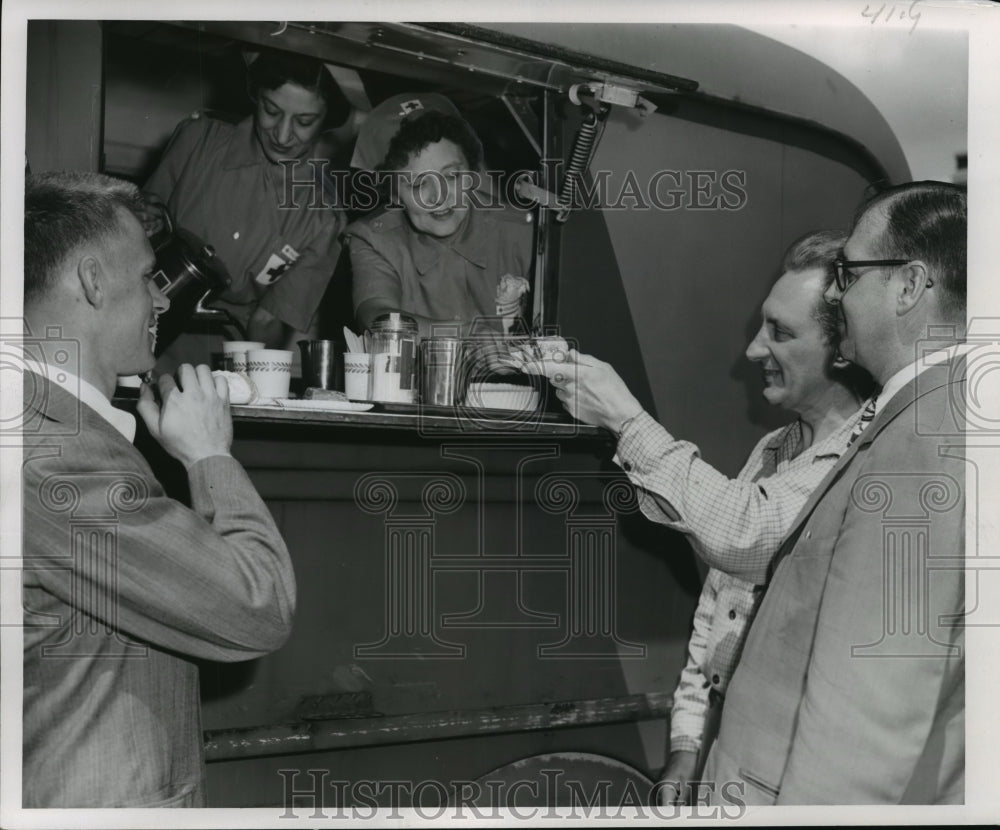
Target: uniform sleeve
<point>295,298</point>
<point>687,715</point>
<point>734,525</point>
<point>883,678</point>
<point>212,582</point>
<point>374,276</point>
<point>176,156</point>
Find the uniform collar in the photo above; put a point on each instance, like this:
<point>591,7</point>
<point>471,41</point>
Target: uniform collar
<point>470,244</point>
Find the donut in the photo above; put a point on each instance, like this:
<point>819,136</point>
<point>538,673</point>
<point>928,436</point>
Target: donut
<point>242,390</point>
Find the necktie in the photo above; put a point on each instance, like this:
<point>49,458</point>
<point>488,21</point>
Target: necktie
<point>866,418</point>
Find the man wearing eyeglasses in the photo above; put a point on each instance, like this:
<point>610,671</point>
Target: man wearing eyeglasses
<point>851,685</point>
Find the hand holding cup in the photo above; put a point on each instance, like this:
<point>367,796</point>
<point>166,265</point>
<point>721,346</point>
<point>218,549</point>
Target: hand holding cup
<point>192,421</point>
<point>588,388</point>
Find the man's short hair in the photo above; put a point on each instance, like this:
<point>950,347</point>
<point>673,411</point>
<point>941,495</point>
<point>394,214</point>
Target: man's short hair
<point>927,221</point>
<point>64,210</point>
<point>818,250</point>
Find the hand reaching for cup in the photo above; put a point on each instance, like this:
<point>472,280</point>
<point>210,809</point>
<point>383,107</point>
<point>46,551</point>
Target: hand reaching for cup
<point>588,388</point>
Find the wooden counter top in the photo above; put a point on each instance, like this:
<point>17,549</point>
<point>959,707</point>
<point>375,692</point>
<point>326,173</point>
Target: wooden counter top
<point>426,420</point>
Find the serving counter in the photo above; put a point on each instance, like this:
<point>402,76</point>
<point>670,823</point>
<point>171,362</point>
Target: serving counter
<point>438,420</point>
<point>473,588</point>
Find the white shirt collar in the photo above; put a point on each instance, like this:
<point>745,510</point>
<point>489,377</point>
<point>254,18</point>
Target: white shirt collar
<point>89,394</point>
<point>911,370</point>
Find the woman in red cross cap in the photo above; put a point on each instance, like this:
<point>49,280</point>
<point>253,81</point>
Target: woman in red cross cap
<point>442,251</point>
<point>383,122</point>
<point>258,194</point>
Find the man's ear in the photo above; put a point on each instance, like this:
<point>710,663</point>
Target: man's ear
<point>838,361</point>
<point>912,280</point>
<point>93,280</point>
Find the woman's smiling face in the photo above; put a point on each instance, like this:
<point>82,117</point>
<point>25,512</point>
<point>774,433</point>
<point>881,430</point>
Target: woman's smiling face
<point>431,188</point>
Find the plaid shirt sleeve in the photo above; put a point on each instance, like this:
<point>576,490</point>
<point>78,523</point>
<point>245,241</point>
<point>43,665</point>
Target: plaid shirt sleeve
<point>687,715</point>
<point>735,525</point>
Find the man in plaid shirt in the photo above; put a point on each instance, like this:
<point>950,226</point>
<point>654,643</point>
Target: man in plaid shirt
<point>735,525</point>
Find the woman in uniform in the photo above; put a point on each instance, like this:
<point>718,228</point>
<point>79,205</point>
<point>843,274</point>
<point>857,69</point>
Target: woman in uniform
<point>441,253</point>
<point>255,194</point>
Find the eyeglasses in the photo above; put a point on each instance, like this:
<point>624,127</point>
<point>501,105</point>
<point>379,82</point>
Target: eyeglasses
<point>844,277</point>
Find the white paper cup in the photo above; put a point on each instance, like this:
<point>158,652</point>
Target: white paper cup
<point>552,348</point>
<point>357,368</point>
<point>236,351</point>
<point>271,371</point>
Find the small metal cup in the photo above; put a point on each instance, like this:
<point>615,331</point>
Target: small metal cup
<point>319,363</point>
<point>442,373</point>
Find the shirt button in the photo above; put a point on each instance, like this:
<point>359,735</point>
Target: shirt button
<point>236,235</point>
<point>732,614</point>
<point>627,466</point>
<point>715,679</point>
<point>809,534</point>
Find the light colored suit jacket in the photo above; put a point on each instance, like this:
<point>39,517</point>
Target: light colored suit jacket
<point>121,586</point>
<point>851,687</point>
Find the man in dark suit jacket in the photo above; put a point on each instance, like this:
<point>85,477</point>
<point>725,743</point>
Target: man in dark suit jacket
<point>851,688</point>
<point>122,585</point>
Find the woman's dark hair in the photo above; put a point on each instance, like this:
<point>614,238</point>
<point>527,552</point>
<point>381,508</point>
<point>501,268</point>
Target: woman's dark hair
<point>273,69</point>
<point>419,131</point>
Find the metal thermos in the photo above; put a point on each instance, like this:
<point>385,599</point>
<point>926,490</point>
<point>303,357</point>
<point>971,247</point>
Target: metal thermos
<point>394,359</point>
<point>442,372</point>
<point>190,274</point>
<point>319,363</point>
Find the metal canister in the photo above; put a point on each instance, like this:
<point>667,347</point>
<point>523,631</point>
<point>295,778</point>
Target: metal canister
<point>319,363</point>
<point>394,359</point>
<point>442,371</point>
<point>190,274</point>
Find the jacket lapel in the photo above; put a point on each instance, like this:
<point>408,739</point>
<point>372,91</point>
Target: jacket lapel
<point>933,378</point>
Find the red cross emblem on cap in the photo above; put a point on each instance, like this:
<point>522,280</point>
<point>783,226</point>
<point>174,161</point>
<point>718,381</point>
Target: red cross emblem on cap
<point>407,107</point>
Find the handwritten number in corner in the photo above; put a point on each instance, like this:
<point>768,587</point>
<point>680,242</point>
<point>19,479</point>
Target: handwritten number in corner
<point>912,13</point>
